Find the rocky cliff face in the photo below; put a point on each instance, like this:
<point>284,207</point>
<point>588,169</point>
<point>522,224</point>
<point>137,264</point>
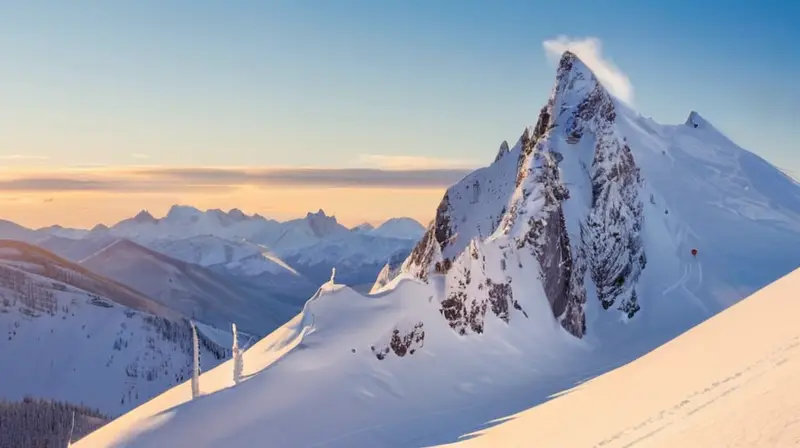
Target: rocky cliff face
<point>611,233</point>
<point>516,207</point>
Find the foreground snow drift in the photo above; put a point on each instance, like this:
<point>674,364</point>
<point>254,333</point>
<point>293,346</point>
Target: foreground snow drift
<point>731,381</point>
<point>323,366</point>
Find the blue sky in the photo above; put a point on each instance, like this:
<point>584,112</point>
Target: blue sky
<point>368,83</point>
<point>325,83</point>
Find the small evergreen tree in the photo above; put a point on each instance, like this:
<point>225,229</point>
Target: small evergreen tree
<point>71,429</point>
<point>195,364</point>
<point>238,363</point>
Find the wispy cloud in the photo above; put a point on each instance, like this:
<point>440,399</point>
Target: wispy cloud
<point>590,51</point>
<point>140,156</point>
<point>412,162</point>
<point>22,157</point>
<point>162,179</point>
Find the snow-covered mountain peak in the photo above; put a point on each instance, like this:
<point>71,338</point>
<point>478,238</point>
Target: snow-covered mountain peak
<point>569,203</point>
<point>696,121</point>
<point>99,228</point>
<point>363,228</point>
<point>237,215</point>
<point>183,213</point>
<point>515,208</point>
<point>323,225</point>
<point>402,228</point>
<point>319,214</point>
<point>144,217</point>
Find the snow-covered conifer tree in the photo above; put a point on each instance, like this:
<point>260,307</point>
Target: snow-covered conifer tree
<point>195,363</point>
<point>238,363</point>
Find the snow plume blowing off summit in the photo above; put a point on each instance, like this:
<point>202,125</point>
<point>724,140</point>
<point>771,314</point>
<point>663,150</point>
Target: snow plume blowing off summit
<point>571,253</point>
<point>590,50</point>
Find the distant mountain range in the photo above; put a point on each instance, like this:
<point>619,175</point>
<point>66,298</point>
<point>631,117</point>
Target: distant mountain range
<point>248,245</point>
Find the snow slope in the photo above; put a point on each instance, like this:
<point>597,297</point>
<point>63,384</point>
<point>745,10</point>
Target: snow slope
<point>567,257</point>
<point>240,256</point>
<point>359,258</point>
<point>402,228</point>
<point>212,297</point>
<point>719,384</point>
<point>71,336</point>
<point>76,249</point>
<point>726,386</point>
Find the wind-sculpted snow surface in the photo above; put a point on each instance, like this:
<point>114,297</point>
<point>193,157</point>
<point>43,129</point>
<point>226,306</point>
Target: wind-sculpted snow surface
<point>569,255</point>
<point>719,384</point>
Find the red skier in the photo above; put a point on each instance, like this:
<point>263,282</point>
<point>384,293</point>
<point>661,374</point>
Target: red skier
<point>694,252</point>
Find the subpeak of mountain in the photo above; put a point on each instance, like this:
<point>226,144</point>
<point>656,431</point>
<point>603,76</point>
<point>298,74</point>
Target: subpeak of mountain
<point>99,228</point>
<point>144,217</point>
<point>181,213</point>
<point>363,228</point>
<point>402,228</point>
<point>502,151</point>
<point>237,215</point>
<point>323,225</point>
<point>696,121</point>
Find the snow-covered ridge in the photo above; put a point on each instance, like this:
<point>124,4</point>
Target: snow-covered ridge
<point>41,262</point>
<point>241,256</point>
<point>210,296</point>
<point>74,338</point>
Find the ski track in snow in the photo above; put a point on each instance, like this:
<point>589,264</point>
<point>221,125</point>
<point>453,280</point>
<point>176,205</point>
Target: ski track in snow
<point>701,399</point>
<point>689,272</point>
<point>681,282</point>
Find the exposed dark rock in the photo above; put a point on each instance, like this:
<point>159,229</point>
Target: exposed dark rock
<point>502,151</point>
<point>502,297</point>
<point>403,343</point>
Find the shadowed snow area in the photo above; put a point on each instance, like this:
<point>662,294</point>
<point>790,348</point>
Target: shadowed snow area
<point>731,381</point>
<point>567,257</point>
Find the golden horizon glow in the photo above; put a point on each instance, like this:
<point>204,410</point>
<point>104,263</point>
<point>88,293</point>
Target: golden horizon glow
<point>350,206</point>
<point>82,197</point>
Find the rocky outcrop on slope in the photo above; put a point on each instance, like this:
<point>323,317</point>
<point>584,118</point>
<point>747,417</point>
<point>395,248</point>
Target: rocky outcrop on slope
<point>471,293</point>
<point>404,340</point>
<point>503,151</point>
